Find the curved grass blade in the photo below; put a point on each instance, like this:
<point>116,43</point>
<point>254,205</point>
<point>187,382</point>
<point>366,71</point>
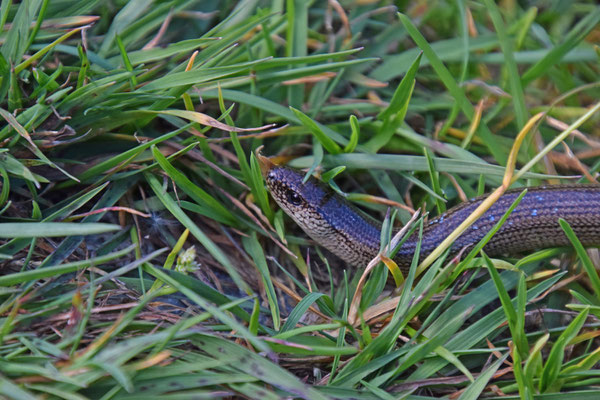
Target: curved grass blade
<point>328,143</point>
<point>21,131</point>
<point>588,265</point>
<point>455,90</point>
<point>218,313</point>
<point>393,115</point>
<point>299,311</point>
<point>271,107</point>
<point>214,208</point>
<point>474,390</point>
<point>252,364</point>
<point>208,244</point>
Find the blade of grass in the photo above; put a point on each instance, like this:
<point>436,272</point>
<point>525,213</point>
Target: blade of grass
<point>41,273</point>
<point>455,90</point>
<point>224,317</point>
<point>521,114</point>
<point>53,229</point>
<point>474,390</point>
<point>411,163</point>
<point>214,208</point>
<point>208,244</point>
<point>514,316</point>
<point>554,362</point>
<point>571,40</point>
<point>255,250</point>
<point>15,44</point>
<point>588,265</point>
<point>393,115</point>
<point>257,366</point>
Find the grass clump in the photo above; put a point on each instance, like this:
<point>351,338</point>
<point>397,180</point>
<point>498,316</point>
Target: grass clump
<point>129,132</point>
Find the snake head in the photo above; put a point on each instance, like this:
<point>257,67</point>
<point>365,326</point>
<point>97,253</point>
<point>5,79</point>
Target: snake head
<point>324,215</point>
<point>288,190</point>
<point>302,201</point>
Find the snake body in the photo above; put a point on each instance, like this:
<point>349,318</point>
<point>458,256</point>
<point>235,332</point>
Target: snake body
<point>337,225</point>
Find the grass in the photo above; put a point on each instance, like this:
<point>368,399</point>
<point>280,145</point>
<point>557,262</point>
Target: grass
<point>141,255</point>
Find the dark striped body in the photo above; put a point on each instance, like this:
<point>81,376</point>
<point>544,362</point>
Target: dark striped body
<point>353,236</point>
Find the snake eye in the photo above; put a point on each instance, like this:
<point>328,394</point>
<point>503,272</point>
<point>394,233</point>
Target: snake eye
<point>293,198</point>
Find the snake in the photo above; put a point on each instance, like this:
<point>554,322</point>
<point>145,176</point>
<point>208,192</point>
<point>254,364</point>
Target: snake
<point>355,237</point>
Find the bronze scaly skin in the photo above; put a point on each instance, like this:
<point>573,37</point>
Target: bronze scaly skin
<point>334,223</point>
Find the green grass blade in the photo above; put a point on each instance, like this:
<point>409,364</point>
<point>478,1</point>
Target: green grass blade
<point>588,265</point>
<point>328,143</point>
<point>215,311</point>
<point>214,208</point>
<point>299,311</point>
<point>516,88</point>
<point>45,50</point>
<point>573,38</point>
<point>554,362</point>
<point>53,229</point>
<point>255,250</point>
<point>456,92</point>
<point>208,244</point>
<point>15,44</point>
<point>257,366</point>
<point>512,315</point>
<point>410,163</point>
<point>41,273</point>
<point>474,390</point>
<point>14,391</point>
<point>393,115</point>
